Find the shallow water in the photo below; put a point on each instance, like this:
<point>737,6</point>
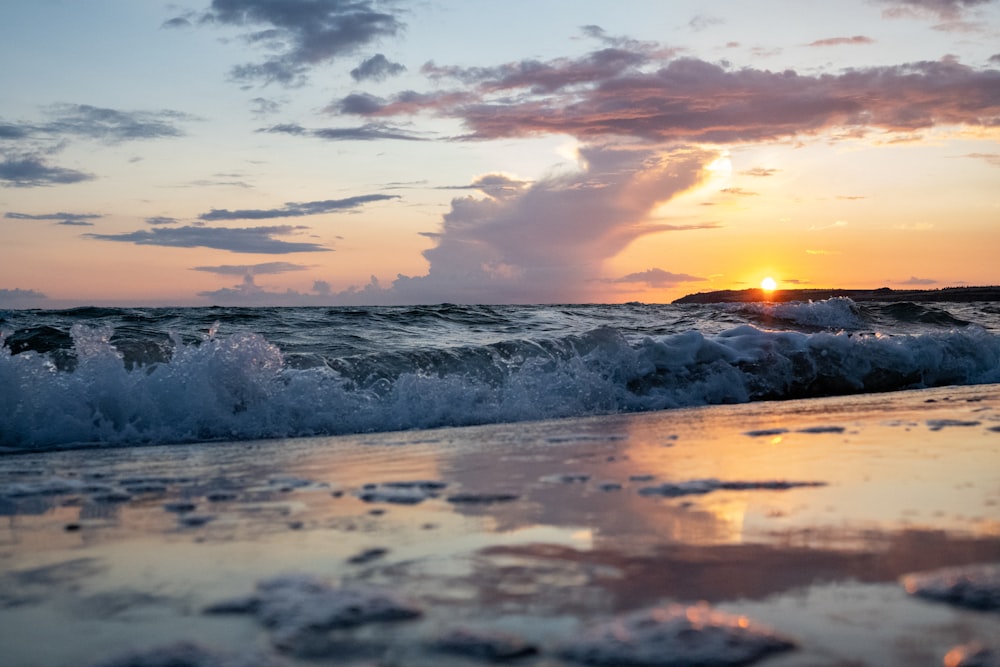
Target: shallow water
<point>125,548</point>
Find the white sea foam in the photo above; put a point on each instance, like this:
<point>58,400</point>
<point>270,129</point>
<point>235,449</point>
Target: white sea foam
<point>838,313</point>
<point>188,654</point>
<point>240,386</point>
<point>300,609</point>
<point>974,586</point>
<point>972,655</point>
<point>676,636</point>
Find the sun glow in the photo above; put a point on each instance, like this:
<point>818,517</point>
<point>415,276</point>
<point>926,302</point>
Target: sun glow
<point>769,284</point>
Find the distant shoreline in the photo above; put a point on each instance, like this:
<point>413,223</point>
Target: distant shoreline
<point>884,294</point>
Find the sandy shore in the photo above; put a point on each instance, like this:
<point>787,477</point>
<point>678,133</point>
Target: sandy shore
<point>797,518</point>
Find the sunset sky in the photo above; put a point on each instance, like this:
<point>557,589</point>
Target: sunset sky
<point>327,152</point>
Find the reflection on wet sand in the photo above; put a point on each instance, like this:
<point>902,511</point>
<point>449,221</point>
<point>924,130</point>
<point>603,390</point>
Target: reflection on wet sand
<point>538,527</point>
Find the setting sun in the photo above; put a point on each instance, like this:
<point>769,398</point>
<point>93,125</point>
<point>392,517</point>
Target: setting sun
<point>769,284</point>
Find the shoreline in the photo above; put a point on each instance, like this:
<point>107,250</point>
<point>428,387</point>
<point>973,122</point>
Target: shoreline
<point>801,516</point>
<point>883,294</point>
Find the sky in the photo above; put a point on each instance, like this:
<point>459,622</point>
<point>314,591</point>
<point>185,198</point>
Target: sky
<point>366,152</point>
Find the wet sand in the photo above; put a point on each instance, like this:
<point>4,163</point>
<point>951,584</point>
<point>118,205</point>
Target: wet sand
<point>798,516</point>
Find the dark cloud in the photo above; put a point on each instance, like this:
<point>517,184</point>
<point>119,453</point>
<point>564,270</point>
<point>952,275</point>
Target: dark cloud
<point>30,171</point>
<point>692,100</point>
<point>657,278</point>
<point>259,240</point>
<point>913,280</point>
<point>995,59</point>
<point>838,41</point>
<point>264,106</point>
<point>112,126</point>
<point>366,132</point>
<point>8,131</point>
<point>161,220</point>
<point>21,298</point>
<point>176,22</point>
<point>295,209</point>
<point>267,268</point>
<point>941,9</point>
<point>61,218</point>
<point>545,77</point>
<point>300,34</point>
<point>376,68</point>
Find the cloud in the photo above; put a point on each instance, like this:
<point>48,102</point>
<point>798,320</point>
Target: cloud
<point>547,241</point>
<point>161,220</point>
<point>265,107</point>
<point>913,280</point>
<point>60,218</point>
<point>300,34</point>
<point>838,41</point>
<point>376,68</point>
<point>30,171</point>
<point>295,209</point>
<point>249,293</point>
<point>21,298</point>
<point>821,252</point>
<point>759,172</point>
<point>258,240</point>
<point>495,185</point>
<point>940,9</point>
<point>112,126</point>
<point>836,224</point>
<point>739,192</point>
<point>176,22</point>
<point>367,132</point>
<point>990,158</point>
<point>620,93</point>
<point>657,278</point>
<point>267,268</point>
<point>703,22</point>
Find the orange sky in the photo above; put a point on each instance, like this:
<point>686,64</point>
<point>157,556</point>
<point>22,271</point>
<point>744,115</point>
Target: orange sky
<point>231,154</point>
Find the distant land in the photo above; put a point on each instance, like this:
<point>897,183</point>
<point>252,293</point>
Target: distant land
<point>885,294</point>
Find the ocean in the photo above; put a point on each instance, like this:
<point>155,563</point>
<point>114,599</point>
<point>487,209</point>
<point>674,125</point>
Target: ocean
<point>142,376</point>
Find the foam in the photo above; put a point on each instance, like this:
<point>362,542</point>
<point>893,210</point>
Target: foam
<point>972,655</point>
<point>242,387</point>
<point>838,313</point>
<point>676,636</point>
<point>187,654</point>
<point>297,608</point>
<point>482,645</point>
<point>973,586</point>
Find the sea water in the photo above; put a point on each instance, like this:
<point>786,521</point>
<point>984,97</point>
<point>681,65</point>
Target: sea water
<point>120,377</point>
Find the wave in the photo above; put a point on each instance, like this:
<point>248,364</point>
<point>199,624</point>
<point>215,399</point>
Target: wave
<point>241,386</point>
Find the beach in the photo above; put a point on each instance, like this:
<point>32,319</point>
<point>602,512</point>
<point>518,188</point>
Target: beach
<point>799,517</point>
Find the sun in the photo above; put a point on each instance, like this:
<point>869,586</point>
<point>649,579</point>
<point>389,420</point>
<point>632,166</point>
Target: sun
<point>769,284</point>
